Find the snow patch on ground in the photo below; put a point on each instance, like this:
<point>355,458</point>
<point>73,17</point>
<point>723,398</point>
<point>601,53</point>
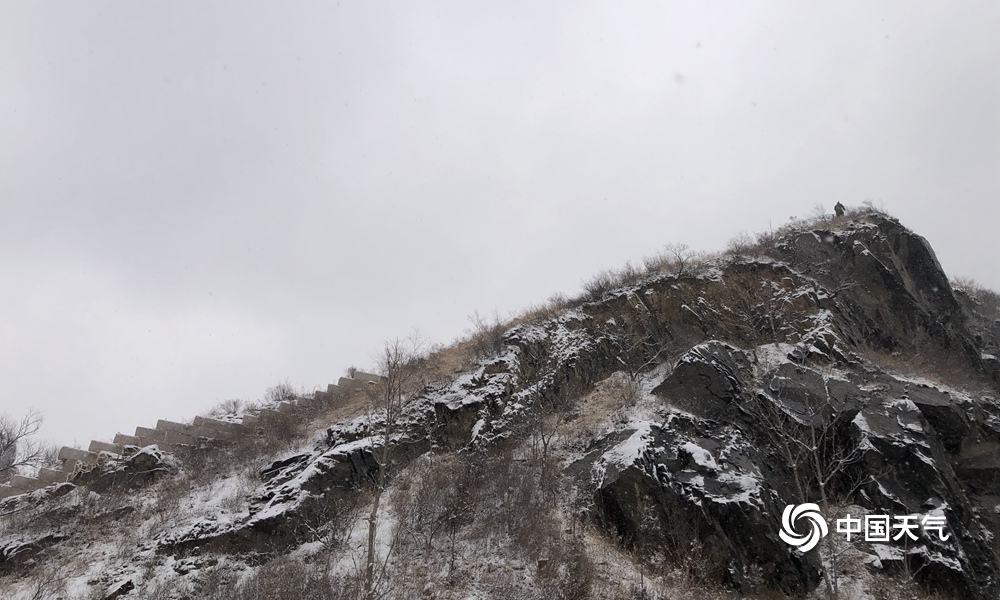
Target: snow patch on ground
<point>624,454</point>
<point>701,456</point>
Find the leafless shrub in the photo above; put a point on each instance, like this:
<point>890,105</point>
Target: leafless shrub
<point>433,504</point>
<point>599,284</point>
<point>629,274</point>
<point>536,312</point>
<point>231,406</point>
<point>869,207</point>
<point>986,298</point>
<point>503,583</point>
<point>967,284</point>
<point>49,579</point>
<point>282,392</point>
<point>556,304</point>
<point>487,334</point>
<point>674,258</point>
<point>281,578</point>
<point>626,389</point>
<point>657,263</point>
<point>558,301</point>
<point>16,447</point>
<point>741,244</point>
<point>567,572</point>
<point>329,521</point>
<point>512,503</point>
<point>168,494</point>
<point>767,240</point>
<point>890,587</point>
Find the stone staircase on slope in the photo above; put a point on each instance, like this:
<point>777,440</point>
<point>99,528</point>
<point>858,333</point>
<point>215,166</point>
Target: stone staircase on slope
<point>170,435</point>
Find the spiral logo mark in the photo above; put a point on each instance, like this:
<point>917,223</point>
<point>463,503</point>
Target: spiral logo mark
<point>817,531</point>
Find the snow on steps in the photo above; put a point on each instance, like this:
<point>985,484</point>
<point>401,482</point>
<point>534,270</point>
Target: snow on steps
<point>170,435</point>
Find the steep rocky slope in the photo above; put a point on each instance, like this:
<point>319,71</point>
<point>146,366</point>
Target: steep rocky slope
<point>660,428</point>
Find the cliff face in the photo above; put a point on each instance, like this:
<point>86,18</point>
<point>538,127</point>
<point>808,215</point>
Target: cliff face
<point>835,365</point>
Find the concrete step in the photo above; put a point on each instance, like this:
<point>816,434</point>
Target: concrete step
<point>52,476</point>
<point>197,431</point>
<point>367,377</point>
<point>97,447</point>
<point>360,380</point>
<point>250,421</point>
<point>348,384</point>
<point>286,407</point>
<point>145,433</point>
<point>267,413</point>
<point>163,425</point>
<point>28,484</point>
<point>210,423</point>
<point>67,453</point>
<point>127,440</point>
<point>332,392</point>
<point>216,430</point>
<point>6,492</point>
<point>179,438</point>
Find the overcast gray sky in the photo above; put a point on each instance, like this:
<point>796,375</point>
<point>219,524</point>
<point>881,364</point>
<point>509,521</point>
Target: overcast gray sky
<point>198,200</point>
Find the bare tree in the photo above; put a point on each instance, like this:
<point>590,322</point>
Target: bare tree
<point>644,339</point>
<point>398,363</point>
<point>16,449</point>
<point>812,443</point>
<point>818,211</point>
<point>435,500</point>
<point>281,392</point>
<point>487,334</point>
<point>544,430</point>
<point>740,244</point>
<point>681,255</point>
<point>49,581</point>
<point>763,309</point>
<point>674,256</point>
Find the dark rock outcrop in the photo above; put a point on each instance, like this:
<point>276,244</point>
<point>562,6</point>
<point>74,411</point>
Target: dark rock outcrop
<point>135,470</point>
<point>20,553</point>
<point>761,360</point>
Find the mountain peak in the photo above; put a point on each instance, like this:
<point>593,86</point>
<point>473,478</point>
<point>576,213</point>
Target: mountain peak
<point>677,429</point>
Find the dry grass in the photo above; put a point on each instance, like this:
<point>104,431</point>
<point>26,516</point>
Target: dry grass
<point>987,300</point>
<point>437,367</point>
<point>674,260</point>
<point>677,259</point>
<point>934,364</point>
<point>613,402</point>
<point>344,408</point>
<point>763,243</point>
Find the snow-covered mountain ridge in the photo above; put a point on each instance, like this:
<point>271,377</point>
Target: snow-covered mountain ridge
<point>642,442</point>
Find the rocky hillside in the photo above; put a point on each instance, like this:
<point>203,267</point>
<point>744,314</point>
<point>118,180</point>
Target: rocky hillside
<point>641,442</point>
